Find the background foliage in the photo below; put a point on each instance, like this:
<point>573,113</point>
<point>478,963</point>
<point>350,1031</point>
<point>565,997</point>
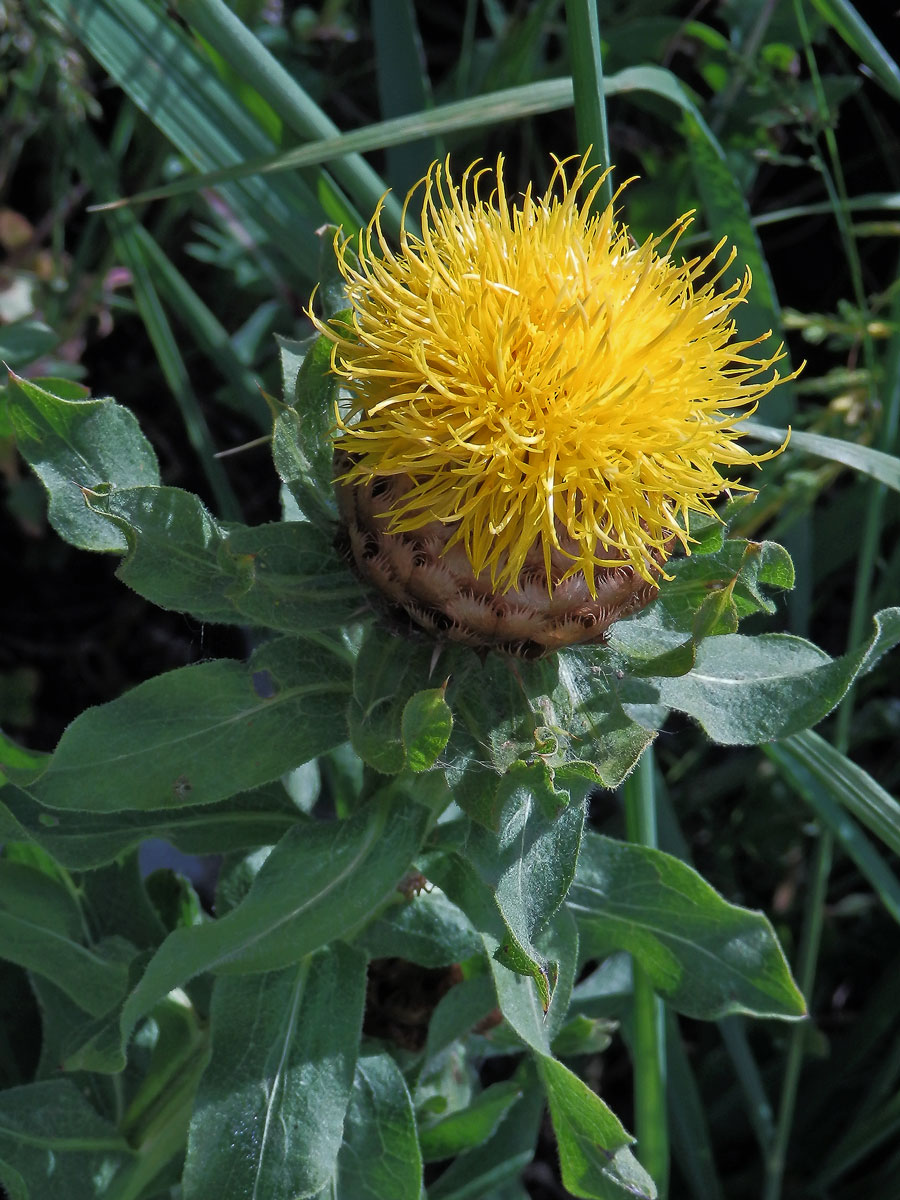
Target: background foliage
<point>149,1050</point>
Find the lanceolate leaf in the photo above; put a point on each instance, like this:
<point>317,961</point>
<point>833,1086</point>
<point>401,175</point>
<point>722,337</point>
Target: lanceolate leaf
<point>868,461</point>
<point>320,883</point>
<point>270,1110</point>
<point>848,783</point>
<point>380,1157</point>
<point>201,733</point>
<point>82,840</point>
<point>706,956</point>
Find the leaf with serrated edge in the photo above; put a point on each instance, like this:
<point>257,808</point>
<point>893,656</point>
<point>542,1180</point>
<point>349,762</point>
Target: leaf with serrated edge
<point>72,441</point>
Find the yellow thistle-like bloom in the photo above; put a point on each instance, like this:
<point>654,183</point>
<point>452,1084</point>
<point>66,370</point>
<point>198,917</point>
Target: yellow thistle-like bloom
<point>536,386</point>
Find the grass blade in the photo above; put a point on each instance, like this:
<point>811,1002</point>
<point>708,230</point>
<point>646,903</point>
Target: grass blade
<point>587,76</point>
<point>825,795</point>
<point>403,87</point>
<point>884,468</point>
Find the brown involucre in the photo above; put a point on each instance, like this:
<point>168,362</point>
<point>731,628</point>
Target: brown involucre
<point>434,586</point>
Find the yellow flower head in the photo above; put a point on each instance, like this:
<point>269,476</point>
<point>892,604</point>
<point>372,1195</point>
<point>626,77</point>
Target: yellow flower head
<point>539,378</point>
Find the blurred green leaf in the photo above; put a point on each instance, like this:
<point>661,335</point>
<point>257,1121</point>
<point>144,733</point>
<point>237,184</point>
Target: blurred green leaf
<point>851,786</point>
<point>21,342</point>
<point>170,80</point>
<point>874,463</point>
<point>706,956</point>
<point>845,19</point>
<point>284,1048</point>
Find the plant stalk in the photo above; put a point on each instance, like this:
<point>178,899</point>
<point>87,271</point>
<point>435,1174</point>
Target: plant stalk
<point>649,1041</point>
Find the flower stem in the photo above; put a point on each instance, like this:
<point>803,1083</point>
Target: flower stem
<point>806,974</point>
<point>649,1041</point>
<point>587,78</point>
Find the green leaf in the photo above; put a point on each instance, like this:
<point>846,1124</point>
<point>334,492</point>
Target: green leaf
<point>529,863</point>
<point>83,840</point>
<point>748,690</point>
<point>600,729</point>
<point>50,1136</point>
<point>201,733</point>
<point>488,109</point>
<point>285,575</point>
<point>320,882</point>
<point>707,957</point>
<point>469,1127</point>
<point>593,1147</point>
<point>173,548</point>
<point>561,711</point>
<point>302,446</point>
<point>40,928</point>
<point>72,442</point>
<point>294,470</point>
<point>481,1172</point>
<point>380,1157</point>
<point>388,672</point>
<point>707,595</point>
<point>425,727</point>
<point>314,396</point>
<point>289,577</point>
<point>426,929</point>
<point>509,884</point>
<point>284,1047</point>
